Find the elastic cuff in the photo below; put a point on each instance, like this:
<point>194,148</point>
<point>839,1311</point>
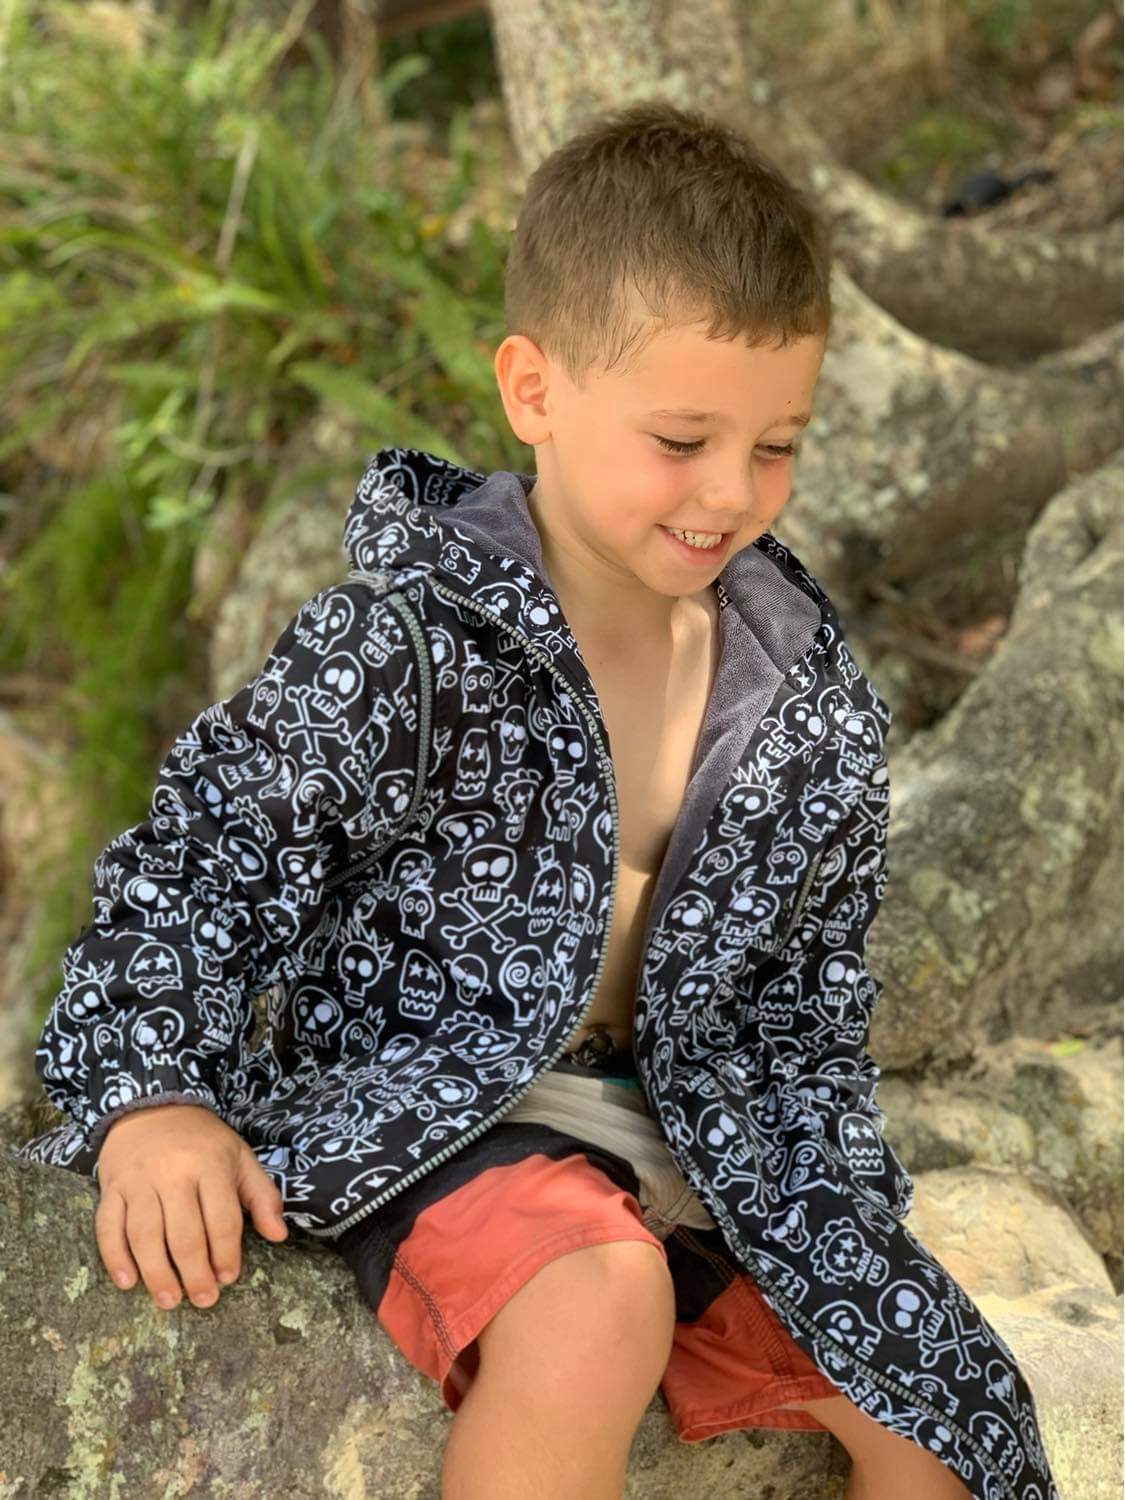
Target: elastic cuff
<point>97,1132</point>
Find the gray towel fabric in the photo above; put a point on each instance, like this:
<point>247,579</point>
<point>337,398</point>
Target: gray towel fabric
<point>612,1113</point>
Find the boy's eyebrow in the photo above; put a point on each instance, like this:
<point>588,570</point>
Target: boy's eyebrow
<point>687,414</point>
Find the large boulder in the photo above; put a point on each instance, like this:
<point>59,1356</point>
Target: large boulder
<point>252,580</point>
<point>289,1386</point>
<point>1003,908</point>
<point>1049,1112</point>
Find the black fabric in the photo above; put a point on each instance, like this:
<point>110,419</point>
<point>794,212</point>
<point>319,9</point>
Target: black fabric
<point>369,1246</point>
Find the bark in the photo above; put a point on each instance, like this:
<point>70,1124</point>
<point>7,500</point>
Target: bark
<point>997,296</point>
<point>1003,908</point>
<point>918,453</point>
<point>1000,295</point>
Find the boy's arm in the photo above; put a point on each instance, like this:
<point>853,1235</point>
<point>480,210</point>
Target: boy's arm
<point>813,1001</point>
<point>219,892</point>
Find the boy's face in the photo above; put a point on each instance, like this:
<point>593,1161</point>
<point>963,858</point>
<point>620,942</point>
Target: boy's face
<point>607,487</point>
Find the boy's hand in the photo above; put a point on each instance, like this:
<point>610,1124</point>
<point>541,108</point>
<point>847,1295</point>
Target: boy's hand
<point>174,1181</point>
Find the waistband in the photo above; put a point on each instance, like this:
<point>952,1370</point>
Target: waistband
<point>585,1103</point>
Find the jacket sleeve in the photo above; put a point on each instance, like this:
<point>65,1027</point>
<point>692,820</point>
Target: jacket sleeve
<point>813,1002</point>
<point>218,893</point>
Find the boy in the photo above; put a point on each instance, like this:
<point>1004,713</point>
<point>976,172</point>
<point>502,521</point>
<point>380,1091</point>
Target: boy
<point>566,1050</point>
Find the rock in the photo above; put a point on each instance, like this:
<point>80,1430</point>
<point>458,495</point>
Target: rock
<point>1022,1106</point>
<point>1014,1246</point>
<point>1003,907</point>
<point>1073,1103</point>
<point>1070,1348</point>
<point>1002,1232</point>
<point>228,533</point>
<point>288,1385</point>
<point>295,552</point>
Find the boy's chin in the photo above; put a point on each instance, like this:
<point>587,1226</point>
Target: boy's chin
<point>668,586</point>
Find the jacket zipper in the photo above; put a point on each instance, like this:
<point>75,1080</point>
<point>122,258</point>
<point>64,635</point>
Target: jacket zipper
<point>377,582</point>
<point>815,1333</point>
<point>912,1398</point>
<point>801,903</point>
<point>604,760</point>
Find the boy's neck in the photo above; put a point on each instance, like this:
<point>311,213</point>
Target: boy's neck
<point>604,608</point>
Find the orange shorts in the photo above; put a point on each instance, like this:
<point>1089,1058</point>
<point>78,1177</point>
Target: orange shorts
<point>437,1261</point>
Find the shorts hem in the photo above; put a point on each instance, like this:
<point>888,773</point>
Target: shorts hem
<point>758,1411</point>
<point>469,1324</point>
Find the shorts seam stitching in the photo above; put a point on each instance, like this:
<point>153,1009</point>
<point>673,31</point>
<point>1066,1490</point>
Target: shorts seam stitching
<point>441,1328</point>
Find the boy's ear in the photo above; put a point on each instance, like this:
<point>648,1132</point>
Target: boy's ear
<point>522,378</point>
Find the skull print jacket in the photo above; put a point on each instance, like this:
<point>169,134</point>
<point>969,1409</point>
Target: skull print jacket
<point>400,841</point>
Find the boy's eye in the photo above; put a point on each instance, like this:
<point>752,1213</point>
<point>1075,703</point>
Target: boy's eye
<point>778,450</point>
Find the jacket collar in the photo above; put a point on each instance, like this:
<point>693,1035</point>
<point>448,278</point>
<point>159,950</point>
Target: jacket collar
<point>413,511</point>
<point>417,514</point>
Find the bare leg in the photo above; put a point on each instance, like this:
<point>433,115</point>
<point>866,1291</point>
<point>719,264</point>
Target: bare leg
<point>885,1482</point>
<point>567,1368</point>
<point>885,1466</point>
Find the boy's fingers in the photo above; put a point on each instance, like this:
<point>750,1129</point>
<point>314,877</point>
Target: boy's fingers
<point>187,1241</point>
<point>109,1230</point>
<point>258,1192</point>
<point>144,1230</point>
<point>222,1219</point>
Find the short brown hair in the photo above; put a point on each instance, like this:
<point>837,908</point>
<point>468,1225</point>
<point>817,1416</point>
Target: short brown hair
<point>679,206</point>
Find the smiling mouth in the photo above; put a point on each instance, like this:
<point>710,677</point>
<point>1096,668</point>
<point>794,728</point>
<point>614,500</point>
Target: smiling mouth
<point>681,533</point>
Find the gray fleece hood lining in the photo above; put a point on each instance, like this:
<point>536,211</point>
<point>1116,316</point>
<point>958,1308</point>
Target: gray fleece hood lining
<point>766,620</point>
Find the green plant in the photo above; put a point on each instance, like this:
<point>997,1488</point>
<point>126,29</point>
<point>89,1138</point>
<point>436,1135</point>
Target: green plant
<point>208,248</point>
<point>456,62</point>
<point>938,141</point>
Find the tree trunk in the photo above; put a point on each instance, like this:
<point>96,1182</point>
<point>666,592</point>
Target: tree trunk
<point>997,296</point>
<point>1003,296</point>
<point>920,457</point>
<point>919,453</point>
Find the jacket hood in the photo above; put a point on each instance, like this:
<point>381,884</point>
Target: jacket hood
<point>415,512</point>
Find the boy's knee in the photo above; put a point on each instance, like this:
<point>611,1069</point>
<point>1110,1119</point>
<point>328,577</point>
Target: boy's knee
<point>604,1315</point>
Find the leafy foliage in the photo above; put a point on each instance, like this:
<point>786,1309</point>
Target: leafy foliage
<point>203,244</point>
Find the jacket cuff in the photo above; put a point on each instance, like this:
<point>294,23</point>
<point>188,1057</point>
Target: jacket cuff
<point>193,1094</point>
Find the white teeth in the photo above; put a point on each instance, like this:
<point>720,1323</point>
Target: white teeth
<point>697,538</point>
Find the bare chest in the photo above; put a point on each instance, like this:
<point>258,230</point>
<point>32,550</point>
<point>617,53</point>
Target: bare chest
<point>654,712</point>
<point>654,728</point>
